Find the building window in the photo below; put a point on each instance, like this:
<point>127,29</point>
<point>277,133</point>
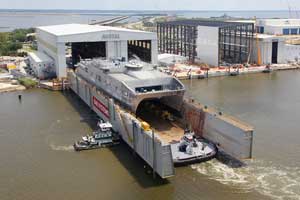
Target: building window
<point>286,31</point>
<point>260,29</point>
<point>294,31</point>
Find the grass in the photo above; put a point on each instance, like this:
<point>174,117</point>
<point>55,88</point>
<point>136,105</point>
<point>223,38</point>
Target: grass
<point>27,82</point>
<point>2,70</point>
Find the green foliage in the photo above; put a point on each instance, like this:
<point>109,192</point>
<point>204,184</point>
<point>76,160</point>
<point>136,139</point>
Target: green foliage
<point>27,82</point>
<point>2,70</point>
<point>11,42</point>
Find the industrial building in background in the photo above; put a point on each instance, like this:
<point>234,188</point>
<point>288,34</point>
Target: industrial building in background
<point>217,43</point>
<point>83,41</point>
<point>277,41</point>
<point>210,42</point>
<point>278,26</point>
<point>213,43</point>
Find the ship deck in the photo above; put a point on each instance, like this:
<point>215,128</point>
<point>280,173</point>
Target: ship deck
<point>169,132</point>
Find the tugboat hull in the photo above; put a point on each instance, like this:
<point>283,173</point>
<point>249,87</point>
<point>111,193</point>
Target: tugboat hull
<point>267,71</point>
<point>194,160</point>
<point>183,158</point>
<point>82,147</point>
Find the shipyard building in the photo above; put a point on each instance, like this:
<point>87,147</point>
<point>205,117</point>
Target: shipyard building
<point>210,42</point>
<point>81,41</point>
<point>277,41</point>
<point>216,43</point>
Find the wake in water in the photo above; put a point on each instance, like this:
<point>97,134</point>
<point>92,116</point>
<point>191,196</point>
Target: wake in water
<point>62,148</point>
<point>276,182</point>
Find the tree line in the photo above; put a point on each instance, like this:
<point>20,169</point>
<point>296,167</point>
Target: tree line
<point>11,42</point>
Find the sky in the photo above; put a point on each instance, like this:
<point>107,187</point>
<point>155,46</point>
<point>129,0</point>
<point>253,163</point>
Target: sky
<point>152,4</point>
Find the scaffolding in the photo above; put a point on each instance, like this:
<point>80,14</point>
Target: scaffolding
<point>235,43</point>
<point>180,37</point>
<point>177,39</point>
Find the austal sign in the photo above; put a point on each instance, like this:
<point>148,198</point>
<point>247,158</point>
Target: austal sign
<point>110,36</point>
<point>101,107</point>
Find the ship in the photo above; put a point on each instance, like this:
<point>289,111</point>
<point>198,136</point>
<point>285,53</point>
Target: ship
<point>104,136</point>
<point>131,83</point>
<point>155,97</point>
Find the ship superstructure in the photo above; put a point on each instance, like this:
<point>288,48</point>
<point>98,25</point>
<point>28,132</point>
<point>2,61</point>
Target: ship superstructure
<point>132,82</point>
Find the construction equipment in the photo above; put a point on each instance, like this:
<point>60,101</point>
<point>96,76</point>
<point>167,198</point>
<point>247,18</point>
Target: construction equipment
<point>259,62</point>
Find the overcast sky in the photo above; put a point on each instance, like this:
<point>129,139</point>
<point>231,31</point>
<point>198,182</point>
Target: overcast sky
<point>152,4</point>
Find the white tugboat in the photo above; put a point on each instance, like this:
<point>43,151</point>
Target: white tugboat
<point>191,149</point>
<point>103,137</point>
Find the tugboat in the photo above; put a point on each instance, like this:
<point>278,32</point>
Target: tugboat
<point>103,137</point>
<point>267,69</point>
<point>234,72</point>
<point>191,149</point>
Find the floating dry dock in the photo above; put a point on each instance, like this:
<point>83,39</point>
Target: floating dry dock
<point>127,93</point>
<point>231,136</point>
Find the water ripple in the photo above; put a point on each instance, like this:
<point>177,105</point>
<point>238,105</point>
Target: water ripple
<point>277,182</point>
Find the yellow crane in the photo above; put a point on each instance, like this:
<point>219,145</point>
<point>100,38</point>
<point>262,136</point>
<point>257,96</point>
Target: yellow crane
<point>258,51</point>
<point>257,45</point>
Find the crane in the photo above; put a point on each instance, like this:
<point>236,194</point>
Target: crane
<point>257,46</point>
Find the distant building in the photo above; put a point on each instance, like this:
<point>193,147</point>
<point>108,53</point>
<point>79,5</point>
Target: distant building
<point>91,41</point>
<point>278,26</point>
<point>232,42</point>
<point>212,42</point>
<point>42,65</point>
<point>278,41</point>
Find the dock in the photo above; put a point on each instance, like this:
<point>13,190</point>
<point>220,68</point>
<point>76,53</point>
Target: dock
<point>185,72</point>
<point>54,85</point>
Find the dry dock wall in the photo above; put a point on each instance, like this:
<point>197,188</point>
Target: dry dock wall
<point>153,151</point>
<point>232,136</point>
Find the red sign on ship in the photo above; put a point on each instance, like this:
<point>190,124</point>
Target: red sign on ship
<point>101,107</point>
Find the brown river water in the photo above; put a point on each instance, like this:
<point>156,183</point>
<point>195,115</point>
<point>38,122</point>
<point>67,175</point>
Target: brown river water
<point>37,160</point>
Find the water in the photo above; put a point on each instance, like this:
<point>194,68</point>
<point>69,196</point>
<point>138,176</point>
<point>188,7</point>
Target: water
<point>12,19</point>
<point>269,103</point>
<point>37,160</point>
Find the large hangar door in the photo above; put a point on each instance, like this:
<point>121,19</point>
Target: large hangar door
<point>274,52</point>
<point>141,49</point>
<point>84,50</point>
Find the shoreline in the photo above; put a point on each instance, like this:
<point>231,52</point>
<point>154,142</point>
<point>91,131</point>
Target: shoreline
<point>8,87</point>
<point>184,74</point>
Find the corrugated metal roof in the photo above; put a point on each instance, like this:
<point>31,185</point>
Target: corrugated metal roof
<point>39,57</point>
<point>71,29</point>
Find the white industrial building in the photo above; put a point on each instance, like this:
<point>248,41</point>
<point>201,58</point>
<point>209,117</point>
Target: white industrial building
<point>231,42</point>
<point>277,40</point>
<point>278,26</point>
<point>206,41</point>
<point>88,41</point>
<point>41,64</point>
